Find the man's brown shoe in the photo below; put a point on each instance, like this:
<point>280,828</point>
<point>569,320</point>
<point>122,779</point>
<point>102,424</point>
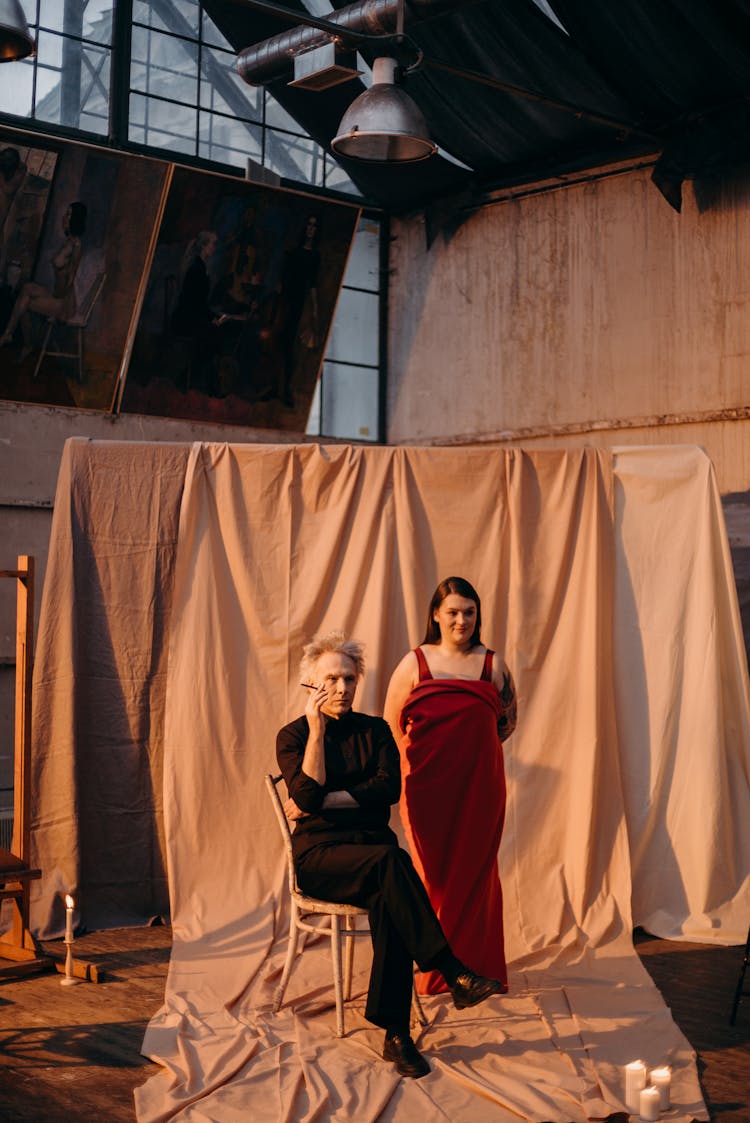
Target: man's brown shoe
<point>470,989</point>
<point>407,1058</point>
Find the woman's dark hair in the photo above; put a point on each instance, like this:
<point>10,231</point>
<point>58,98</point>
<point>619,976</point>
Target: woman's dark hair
<point>461,588</point>
<point>316,235</point>
<point>77,221</point>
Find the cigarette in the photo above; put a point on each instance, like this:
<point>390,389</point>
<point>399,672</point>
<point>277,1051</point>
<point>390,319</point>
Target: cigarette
<point>309,685</point>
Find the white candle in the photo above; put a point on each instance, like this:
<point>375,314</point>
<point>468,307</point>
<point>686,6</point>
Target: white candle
<point>649,1103</point>
<point>69,904</point>
<point>635,1082</point>
<point>661,1078</point>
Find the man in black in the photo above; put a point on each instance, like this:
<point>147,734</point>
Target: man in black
<point>342,773</point>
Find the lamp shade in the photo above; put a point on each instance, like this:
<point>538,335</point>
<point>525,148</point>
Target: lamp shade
<point>15,39</point>
<point>383,125</point>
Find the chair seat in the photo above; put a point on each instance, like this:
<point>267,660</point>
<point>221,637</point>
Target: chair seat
<point>336,908</point>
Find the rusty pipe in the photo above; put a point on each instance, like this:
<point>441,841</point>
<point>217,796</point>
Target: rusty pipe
<point>352,26</point>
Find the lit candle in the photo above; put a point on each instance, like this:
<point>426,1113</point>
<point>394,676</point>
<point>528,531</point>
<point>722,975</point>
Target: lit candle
<point>649,1103</point>
<point>69,904</point>
<point>635,1082</point>
<point>661,1078</point>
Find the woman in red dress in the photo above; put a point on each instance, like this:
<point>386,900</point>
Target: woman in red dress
<point>451,702</point>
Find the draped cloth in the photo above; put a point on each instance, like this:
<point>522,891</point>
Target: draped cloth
<point>181,585</point>
<point>452,809</point>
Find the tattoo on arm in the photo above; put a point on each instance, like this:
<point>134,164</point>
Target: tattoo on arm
<point>509,718</point>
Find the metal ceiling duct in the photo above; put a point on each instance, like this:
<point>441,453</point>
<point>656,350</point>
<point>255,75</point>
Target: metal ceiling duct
<point>15,39</point>
<point>273,58</point>
<point>383,125</point>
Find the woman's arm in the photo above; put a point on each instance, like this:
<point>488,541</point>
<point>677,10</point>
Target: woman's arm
<point>506,687</point>
<point>403,680</point>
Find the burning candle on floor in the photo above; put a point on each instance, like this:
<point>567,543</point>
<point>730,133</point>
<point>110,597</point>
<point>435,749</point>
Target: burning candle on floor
<point>649,1103</point>
<point>69,906</point>
<point>635,1082</point>
<point>69,978</point>
<point>661,1078</point>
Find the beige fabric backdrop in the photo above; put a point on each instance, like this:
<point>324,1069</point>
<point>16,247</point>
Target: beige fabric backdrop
<point>682,699</point>
<point>576,565</point>
<point>276,544</point>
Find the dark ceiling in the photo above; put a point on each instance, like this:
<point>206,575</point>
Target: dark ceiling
<point>604,80</point>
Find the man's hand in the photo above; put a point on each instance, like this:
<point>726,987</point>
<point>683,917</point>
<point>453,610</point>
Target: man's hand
<point>313,712</point>
<point>292,811</point>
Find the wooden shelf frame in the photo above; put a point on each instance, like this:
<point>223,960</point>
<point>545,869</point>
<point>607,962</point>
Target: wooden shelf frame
<point>16,872</point>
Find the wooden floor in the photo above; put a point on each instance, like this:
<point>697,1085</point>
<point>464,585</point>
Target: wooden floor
<point>74,1052</point>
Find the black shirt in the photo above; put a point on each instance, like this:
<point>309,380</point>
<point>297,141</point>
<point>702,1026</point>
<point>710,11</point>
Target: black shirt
<point>361,758</point>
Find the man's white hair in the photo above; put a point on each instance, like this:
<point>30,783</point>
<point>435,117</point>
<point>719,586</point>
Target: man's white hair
<point>334,641</point>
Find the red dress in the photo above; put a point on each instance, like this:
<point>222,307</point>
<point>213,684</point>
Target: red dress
<point>453,807</point>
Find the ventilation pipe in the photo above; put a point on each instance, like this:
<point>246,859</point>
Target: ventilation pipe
<point>273,58</point>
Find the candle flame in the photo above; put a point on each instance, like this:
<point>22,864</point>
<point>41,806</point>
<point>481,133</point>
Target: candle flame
<point>69,902</point>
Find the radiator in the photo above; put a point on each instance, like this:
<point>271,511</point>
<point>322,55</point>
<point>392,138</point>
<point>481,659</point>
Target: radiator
<point>6,829</point>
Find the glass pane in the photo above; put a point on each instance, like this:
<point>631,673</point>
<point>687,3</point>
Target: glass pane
<point>337,179</point>
<point>212,35</point>
<point>144,12</point>
<point>229,141</point>
<point>223,89</point>
<point>94,115</point>
<point>163,125</point>
<point>184,15</point>
<point>349,402</point>
<point>49,50</point>
<point>72,83</point>
<point>163,65</point>
<point>313,419</point>
<point>89,19</point>
<point>294,157</point>
<point>354,334</point>
<point>16,85</point>
<point>363,266</point>
<point>278,118</point>
<point>29,10</point>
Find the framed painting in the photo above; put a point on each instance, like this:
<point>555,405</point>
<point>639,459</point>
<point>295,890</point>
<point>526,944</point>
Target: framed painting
<point>77,224</point>
<point>241,292</point>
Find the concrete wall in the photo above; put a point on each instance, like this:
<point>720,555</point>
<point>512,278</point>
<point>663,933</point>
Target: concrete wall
<point>589,313</point>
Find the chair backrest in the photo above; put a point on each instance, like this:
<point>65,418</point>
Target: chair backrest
<point>272,783</point>
<point>86,307</point>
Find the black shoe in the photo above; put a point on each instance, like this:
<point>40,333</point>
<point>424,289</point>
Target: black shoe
<point>407,1058</point>
<point>469,989</point>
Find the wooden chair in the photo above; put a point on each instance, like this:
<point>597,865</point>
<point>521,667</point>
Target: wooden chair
<point>77,323</point>
<point>330,914</point>
<point>17,945</point>
<point>740,991</point>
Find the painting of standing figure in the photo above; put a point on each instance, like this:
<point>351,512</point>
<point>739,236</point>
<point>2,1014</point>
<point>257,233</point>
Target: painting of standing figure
<point>76,223</point>
<point>240,297</point>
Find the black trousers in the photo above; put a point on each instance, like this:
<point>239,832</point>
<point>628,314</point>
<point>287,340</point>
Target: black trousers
<point>379,876</point>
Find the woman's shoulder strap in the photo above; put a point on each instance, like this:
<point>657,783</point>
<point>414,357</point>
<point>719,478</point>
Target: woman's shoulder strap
<point>486,675</point>
<point>424,670</point>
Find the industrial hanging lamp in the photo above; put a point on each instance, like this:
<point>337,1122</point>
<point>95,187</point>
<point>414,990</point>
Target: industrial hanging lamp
<point>384,125</point>
<point>15,40</point>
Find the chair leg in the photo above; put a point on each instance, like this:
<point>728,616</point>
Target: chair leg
<point>421,1016</point>
<point>740,989</point>
<point>43,351</point>
<point>337,981</point>
<point>291,951</point>
<point>351,925</point>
